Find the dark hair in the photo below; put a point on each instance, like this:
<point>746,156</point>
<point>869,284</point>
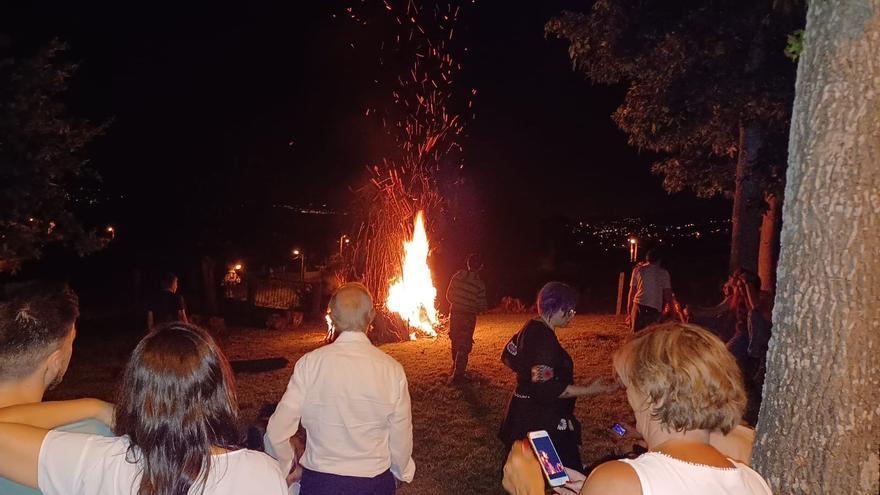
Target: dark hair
<point>474,262</point>
<point>175,401</point>
<point>34,320</point>
<point>556,296</point>
<point>167,280</point>
<point>653,255</point>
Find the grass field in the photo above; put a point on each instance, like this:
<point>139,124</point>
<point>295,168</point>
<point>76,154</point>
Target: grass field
<point>456,448</point>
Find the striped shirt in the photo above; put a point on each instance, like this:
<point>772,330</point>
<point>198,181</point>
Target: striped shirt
<point>466,293</point>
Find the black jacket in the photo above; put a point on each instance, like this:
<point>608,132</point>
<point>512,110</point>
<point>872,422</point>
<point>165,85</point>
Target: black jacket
<point>543,370</point>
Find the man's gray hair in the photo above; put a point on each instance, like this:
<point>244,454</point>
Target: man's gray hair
<point>351,308</point>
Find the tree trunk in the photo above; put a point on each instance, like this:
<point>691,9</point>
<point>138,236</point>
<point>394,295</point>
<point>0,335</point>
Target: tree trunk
<point>818,428</point>
<point>748,201</point>
<point>768,252</point>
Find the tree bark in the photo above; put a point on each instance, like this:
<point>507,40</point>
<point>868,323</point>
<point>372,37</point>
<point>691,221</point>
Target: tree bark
<point>748,201</point>
<point>818,427</point>
<point>768,252</point>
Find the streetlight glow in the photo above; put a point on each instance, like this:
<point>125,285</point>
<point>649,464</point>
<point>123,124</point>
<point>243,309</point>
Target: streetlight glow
<point>302,262</point>
<point>344,240</point>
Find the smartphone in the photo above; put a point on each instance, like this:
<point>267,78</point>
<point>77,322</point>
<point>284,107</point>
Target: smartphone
<point>548,458</point>
<point>619,429</point>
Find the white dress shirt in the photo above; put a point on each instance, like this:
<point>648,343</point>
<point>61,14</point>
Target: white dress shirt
<point>353,400</point>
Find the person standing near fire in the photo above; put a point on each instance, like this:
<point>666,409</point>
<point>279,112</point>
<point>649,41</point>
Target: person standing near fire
<point>650,291</point>
<point>466,295</point>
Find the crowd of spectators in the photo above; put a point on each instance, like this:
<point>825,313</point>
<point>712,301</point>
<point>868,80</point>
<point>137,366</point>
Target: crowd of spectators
<point>344,423</point>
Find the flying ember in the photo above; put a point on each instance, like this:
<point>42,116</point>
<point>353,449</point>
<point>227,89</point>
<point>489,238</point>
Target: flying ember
<point>413,294</point>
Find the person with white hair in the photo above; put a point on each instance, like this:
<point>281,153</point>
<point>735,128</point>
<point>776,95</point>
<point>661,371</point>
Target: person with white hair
<point>353,400</point>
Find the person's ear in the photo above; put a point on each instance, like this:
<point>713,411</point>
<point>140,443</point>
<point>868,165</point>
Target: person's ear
<point>56,364</point>
<point>371,315</point>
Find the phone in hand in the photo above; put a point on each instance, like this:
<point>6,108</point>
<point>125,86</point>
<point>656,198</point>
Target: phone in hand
<point>548,458</point>
<point>619,429</point>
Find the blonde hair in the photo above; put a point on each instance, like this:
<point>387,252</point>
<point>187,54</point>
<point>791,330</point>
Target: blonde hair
<point>351,307</point>
<point>690,379</point>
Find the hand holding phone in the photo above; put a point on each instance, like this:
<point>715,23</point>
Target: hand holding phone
<point>548,458</point>
<point>574,485</point>
<point>522,472</point>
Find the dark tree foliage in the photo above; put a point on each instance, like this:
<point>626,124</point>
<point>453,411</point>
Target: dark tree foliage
<point>44,173</point>
<point>696,72</point>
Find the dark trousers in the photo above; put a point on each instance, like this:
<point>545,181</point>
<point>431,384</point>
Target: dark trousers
<point>643,316</point>
<point>461,333</point>
<point>316,483</point>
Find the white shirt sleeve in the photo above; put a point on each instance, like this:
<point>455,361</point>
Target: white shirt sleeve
<point>66,458</point>
<point>401,442</point>
<point>285,420</point>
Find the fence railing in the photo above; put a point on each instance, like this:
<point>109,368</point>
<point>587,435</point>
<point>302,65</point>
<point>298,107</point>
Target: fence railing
<point>275,292</point>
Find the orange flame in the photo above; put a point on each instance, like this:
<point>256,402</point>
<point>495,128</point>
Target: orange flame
<point>413,295</point>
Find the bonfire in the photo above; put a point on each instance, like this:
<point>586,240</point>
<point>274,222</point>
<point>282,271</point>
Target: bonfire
<point>413,295</point>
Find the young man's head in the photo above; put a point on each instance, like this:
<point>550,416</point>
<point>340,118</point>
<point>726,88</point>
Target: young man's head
<point>169,282</point>
<point>36,334</point>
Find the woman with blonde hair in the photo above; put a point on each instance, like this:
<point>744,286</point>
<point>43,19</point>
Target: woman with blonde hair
<point>683,385</point>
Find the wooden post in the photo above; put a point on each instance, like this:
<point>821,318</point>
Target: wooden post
<point>620,280</point>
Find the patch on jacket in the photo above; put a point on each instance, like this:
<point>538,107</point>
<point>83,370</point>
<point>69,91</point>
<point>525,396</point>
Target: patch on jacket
<point>511,348</point>
<point>541,373</point>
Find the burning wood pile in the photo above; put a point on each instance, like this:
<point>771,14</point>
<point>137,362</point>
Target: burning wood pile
<point>425,115</point>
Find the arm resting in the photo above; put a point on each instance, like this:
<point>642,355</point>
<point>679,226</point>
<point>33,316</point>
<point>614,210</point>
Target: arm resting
<point>20,452</point>
<point>54,414</point>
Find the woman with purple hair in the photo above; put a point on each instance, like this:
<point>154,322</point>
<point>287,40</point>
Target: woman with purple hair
<point>545,392</point>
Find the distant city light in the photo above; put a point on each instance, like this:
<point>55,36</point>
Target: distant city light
<point>607,235</point>
<point>238,267</point>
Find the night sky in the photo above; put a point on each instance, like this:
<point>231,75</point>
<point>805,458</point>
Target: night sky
<point>259,103</point>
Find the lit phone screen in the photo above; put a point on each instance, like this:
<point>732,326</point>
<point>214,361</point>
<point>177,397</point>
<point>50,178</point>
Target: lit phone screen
<point>549,458</point>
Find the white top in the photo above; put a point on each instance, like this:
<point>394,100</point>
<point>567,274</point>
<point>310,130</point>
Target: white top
<point>353,400</point>
<point>78,463</point>
<point>661,474</point>
<point>91,426</point>
<point>649,280</point>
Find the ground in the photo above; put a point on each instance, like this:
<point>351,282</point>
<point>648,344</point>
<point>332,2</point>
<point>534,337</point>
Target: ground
<point>456,448</point>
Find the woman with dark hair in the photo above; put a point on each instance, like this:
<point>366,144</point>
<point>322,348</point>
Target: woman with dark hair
<point>176,419</point>
<point>545,392</point>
